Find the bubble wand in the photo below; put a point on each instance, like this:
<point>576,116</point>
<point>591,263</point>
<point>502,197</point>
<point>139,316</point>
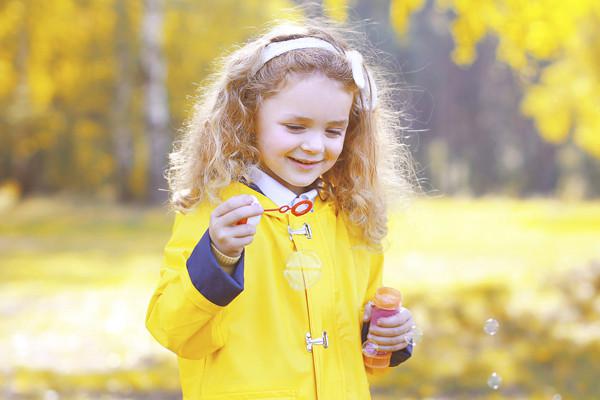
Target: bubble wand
<point>298,209</point>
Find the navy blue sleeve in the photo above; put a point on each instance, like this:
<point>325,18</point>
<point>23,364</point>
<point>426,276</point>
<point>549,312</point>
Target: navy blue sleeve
<point>209,278</point>
<point>398,357</point>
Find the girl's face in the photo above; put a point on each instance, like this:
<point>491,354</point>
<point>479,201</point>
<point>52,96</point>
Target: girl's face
<point>300,130</point>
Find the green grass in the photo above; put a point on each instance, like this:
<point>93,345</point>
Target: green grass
<point>76,276</point>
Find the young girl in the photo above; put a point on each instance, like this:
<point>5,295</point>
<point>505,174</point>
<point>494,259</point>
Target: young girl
<point>259,301</point>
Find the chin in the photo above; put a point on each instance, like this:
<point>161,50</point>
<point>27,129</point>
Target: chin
<point>300,185</point>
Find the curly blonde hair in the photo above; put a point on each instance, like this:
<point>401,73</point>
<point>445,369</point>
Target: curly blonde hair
<point>218,144</point>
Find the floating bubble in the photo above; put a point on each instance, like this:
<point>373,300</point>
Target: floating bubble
<point>51,395</point>
<point>494,381</point>
<point>491,326</point>
<point>369,348</point>
<point>414,336</point>
<point>302,269</point>
<point>557,397</point>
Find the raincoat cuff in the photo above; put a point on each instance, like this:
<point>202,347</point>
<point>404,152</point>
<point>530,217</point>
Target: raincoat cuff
<point>209,278</point>
<point>398,357</point>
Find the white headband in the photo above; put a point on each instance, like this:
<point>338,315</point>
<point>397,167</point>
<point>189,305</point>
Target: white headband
<point>362,76</point>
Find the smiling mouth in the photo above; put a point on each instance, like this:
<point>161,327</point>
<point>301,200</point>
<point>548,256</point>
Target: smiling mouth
<point>305,162</point>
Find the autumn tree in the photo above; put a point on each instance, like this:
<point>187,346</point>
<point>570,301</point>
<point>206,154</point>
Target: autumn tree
<point>552,45</point>
<point>72,86</point>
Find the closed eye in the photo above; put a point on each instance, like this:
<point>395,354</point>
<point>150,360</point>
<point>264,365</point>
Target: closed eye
<point>336,132</point>
<point>294,128</point>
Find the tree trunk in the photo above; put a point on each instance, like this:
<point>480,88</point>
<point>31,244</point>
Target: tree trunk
<point>121,128</point>
<point>156,111</point>
<point>26,170</point>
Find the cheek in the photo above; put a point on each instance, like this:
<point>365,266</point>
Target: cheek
<point>261,147</point>
<point>275,143</point>
<point>335,149</point>
<point>266,140</point>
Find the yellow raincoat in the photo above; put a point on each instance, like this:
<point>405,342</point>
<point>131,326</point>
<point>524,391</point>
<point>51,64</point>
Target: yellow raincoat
<point>255,346</point>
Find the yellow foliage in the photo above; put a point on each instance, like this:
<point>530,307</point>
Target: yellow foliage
<point>7,77</point>
<point>10,192</point>
<point>41,87</point>
<point>559,39</point>
<point>11,15</point>
<point>59,63</point>
<point>194,39</point>
<point>588,136</point>
<point>336,9</point>
<point>86,130</point>
<point>400,12</point>
<point>550,111</point>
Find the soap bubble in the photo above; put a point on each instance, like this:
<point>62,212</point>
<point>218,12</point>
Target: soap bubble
<point>491,326</point>
<point>557,397</point>
<point>51,395</point>
<point>302,269</point>
<point>414,336</point>
<point>494,381</point>
<point>370,349</point>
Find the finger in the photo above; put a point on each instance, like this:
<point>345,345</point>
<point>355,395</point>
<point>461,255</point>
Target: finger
<point>386,332</point>
<point>232,203</point>
<point>392,330</point>
<point>393,348</point>
<point>233,246</point>
<point>400,318</point>
<point>223,236</point>
<point>387,343</point>
<point>245,241</point>
<point>247,211</point>
<point>367,313</point>
<point>388,322</point>
<point>240,231</point>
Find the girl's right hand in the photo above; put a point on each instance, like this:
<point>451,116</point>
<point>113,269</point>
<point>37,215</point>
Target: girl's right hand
<point>228,237</point>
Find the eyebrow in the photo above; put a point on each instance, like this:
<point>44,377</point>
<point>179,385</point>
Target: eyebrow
<point>305,119</point>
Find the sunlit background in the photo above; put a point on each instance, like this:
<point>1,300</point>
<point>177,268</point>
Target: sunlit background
<point>499,259</point>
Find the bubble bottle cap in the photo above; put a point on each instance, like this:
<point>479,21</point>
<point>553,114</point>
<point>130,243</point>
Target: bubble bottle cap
<point>387,298</point>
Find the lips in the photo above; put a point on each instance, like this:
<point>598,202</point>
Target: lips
<point>305,162</point>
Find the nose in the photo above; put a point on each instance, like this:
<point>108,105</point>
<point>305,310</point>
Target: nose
<point>313,143</point>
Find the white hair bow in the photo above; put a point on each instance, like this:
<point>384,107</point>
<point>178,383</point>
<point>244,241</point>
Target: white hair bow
<point>362,77</point>
<point>367,86</point>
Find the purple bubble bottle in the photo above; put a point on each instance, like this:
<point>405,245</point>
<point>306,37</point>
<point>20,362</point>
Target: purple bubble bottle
<point>386,303</point>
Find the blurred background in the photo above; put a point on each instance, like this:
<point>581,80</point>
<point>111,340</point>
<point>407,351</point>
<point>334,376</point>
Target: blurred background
<point>499,260</point>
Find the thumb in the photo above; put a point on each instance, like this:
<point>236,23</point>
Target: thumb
<point>367,314</point>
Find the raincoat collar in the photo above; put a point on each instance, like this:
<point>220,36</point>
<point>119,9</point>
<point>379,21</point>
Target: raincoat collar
<point>279,194</point>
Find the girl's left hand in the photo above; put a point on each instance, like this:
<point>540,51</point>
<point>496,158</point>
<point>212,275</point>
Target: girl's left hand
<point>391,333</point>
